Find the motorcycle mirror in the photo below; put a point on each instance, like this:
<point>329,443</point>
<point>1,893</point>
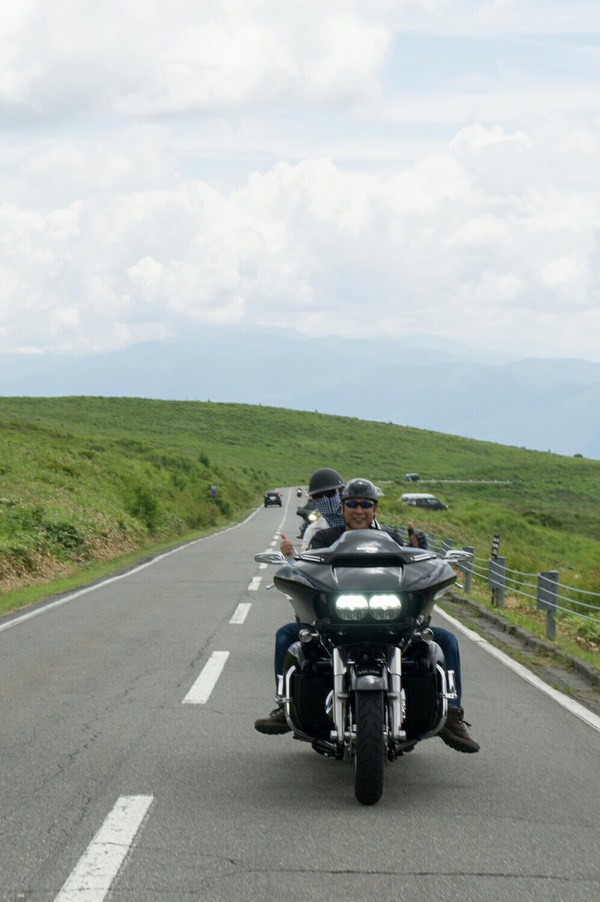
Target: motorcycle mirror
<point>457,555</point>
<point>269,557</point>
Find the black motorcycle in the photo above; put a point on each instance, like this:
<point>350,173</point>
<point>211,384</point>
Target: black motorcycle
<point>366,682</point>
<point>308,513</point>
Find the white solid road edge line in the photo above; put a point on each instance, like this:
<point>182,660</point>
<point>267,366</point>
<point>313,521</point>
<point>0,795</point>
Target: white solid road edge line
<point>200,692</point>
<point>574,707</point>
<point>97,868</point>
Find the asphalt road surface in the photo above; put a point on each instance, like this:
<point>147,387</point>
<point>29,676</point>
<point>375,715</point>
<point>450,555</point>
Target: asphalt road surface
<point>131,770</point>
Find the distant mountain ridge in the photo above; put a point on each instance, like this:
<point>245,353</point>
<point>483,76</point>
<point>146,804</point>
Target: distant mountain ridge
<point>546,404</point>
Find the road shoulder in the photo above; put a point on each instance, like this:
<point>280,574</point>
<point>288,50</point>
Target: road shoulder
<point>569,675</point>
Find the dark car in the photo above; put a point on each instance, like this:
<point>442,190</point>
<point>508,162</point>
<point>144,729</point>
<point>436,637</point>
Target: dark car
<point>412,477</point>
<point>272,498</point>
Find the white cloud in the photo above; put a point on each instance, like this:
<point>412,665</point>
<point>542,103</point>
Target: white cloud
<point>146,273</point>
<point>262,161</point>
<point>476,139</point>
<point>309,246</point>
<point>563,270</point>
<point>152,58</point>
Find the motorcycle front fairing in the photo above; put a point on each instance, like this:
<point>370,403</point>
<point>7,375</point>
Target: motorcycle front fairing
<point>369,562</point>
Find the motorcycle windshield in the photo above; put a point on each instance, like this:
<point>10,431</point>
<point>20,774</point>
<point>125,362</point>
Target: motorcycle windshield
<point>366,548</point>
<point>366,562</point>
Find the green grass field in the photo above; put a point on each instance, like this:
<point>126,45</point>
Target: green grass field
<point>87,484</point>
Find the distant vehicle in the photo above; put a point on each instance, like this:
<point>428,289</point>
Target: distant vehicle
<point>420,499</point>
<point>412,477</point>
<point>309,514</point>
<point>272,498</point>
<point>379,491</point>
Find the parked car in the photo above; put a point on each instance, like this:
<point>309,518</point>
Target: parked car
<point>420,499</point>
<point>412,477</point>
<point>272,498</point>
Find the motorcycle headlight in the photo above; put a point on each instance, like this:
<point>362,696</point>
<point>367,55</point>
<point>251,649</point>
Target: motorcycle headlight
<point>356,607</point>
<point>351,607</point>
<point>384,607</point>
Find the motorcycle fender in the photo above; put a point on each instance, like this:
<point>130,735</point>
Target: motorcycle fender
<point>368,682</point>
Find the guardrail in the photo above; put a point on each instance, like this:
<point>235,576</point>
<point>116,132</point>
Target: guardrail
<point>544,588</point>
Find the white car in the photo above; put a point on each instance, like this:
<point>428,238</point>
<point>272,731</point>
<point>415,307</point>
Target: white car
<point>421,499</point>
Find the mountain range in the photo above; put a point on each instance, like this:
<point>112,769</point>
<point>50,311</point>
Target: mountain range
<point>545,404</point>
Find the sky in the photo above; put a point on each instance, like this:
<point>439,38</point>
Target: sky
<point>352,168</point>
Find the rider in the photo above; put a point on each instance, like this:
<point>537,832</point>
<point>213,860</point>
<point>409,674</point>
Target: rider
<point>324,488</point>
<point>355,498</point>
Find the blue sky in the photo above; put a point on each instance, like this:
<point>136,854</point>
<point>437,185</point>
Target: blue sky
<point>349,168</point>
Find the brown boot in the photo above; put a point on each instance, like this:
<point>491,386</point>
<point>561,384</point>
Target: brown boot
<point>454,732</point>
<point>273,724</point>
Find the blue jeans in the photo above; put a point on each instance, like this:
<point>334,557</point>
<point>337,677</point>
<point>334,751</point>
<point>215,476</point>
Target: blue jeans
<point>448,642</point>
<point>288,634</point>
<point>284,637</point>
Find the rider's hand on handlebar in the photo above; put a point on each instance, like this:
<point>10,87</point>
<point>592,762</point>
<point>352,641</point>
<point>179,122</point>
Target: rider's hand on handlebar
<point>286,547</point>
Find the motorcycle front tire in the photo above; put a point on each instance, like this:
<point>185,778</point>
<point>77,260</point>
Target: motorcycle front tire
<point>369,752</point>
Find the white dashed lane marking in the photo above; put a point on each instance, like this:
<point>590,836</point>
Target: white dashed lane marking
<point>241,612</point>
<point>201,691</point>
<point>97,868</point>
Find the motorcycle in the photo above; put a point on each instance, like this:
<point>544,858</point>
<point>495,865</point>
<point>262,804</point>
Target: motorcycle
<point>365,683</point>
<point>308,513</point>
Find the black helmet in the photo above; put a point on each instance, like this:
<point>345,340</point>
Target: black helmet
<point>360,488</point>
<point>324,480</point>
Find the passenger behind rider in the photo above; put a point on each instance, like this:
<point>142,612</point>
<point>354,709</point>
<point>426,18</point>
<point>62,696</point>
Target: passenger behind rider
<point>324,489</point>
<point>359,501</point>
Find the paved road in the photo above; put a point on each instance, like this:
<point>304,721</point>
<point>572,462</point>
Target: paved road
<point>131,769</point>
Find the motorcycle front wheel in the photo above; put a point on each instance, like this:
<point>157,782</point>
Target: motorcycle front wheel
<point>369,752</point>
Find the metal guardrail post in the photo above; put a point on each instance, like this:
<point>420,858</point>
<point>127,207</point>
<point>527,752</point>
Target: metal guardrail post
<point>497,580</point>
<point>467,569</point>
<point>494,557</point>
<point>547,595</point>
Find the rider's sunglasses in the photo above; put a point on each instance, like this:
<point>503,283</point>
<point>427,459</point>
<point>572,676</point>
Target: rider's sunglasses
<point>366,505</point>
<point>330,493</point>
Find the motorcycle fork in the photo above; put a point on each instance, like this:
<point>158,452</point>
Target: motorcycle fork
<point>340,697</point>
<point>393,697</point>
<point>396,697</point>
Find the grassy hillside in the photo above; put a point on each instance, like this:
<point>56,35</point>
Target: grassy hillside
<point>86,480</point>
